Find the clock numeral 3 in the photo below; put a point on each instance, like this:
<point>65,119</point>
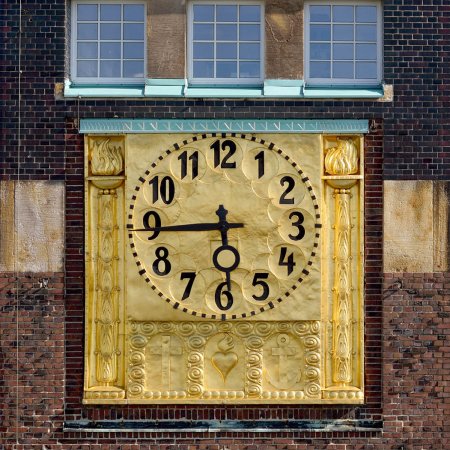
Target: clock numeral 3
<point>220,292</point>
<point>288,262</point>
<point>184,164</point>
<point>190,276</point>
<point>298,224</point>
<point>157,223</point>
<point>165,190</point>
<point>290,186</point>
<point>224,163</point>
<point>258,281</point>
<point>161,254</point>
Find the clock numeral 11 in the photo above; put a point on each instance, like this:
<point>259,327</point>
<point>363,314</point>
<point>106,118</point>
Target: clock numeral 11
<point>183,158</point>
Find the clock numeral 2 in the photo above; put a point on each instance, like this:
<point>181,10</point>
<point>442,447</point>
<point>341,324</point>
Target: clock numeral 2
<point>183,158</point>
<point>290,186</point>
<point>220,292</point>
<point>224,163</point>
<point>166,189</point>
<point>258,281</point>
<point>161,253</point>
<point>190,276</point>
<point>288,262</point>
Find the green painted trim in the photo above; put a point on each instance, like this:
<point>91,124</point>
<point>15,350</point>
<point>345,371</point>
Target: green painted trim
<point>343,92</point>
<point>283,88</point>
<point>223,92</point>
<point>165,82</point>
<point>105,90</point>
<point>127,126</point>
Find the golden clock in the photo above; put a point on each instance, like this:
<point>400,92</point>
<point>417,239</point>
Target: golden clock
<point>224,226</point>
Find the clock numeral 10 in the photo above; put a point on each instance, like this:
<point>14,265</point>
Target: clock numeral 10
<point>288,262</point>
<point>221,293</point>
<point>224,162</point>
<point>161,253</point>
<point>183,158</point>
<point>165,189</point>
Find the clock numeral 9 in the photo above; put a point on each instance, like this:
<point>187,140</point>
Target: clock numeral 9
<point>161,254</point>
<point>290,182</point>
<point>288,262</point>
<point>224,163</point>
<point>220,293</point>
<point>165,190</point>
<point>258,281</point>
<point>298,224</point>
<point>183,158</point>
<point>157,223</point>
<point>190,276</point>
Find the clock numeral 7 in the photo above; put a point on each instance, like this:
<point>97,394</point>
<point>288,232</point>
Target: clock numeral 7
<point>161,253</point>
<point>288,262</point>
<point>220,292</point>
<point>165,189</point>
<point>190,276</point>
<point>224,163</point>
<point>258,281</point>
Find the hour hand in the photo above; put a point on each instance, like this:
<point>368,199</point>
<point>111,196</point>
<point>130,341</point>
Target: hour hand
<point>191,227</point>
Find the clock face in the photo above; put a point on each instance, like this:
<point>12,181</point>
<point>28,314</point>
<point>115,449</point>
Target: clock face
<point>224,226</point>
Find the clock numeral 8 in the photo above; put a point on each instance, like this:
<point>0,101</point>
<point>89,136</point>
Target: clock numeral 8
<point>220,292</point>
<point>161,254</point>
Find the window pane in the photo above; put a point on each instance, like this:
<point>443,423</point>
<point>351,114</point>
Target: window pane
<point>203,69</point>
<point>226,32</point>
<point>343,14</point>
<point>366,51</point>
<point>320,32</point>
<point>110,12</point>
<point>226,51</point>
<point>110,69</point>
<point>249,69</point>
<point>133,13</point>
<point>226,13</point>
<point>133,31</point>
<point>203,13</point>
<point>366,14</point>
<point>110,31</point>
<point>320,13</point>
<point>110,50</point>
<point>87,50</point>
<point>86,68</point>
<point>87,31</point>
<point>133,69</point>
<point>249,32</point>
<point>249,13</point>
<point>343,70</point>
<point>226,69</point>
<point>133,50</point>
<point>86,12</point>
<point>203,32</point>
<point>366,33</point>
<point>249,51</point>
<point>367,70</point>
<point>320,70</point>
<point>203,50</point>
<point>320,51</point>
<point>343,51</point>
<point>343,32</point>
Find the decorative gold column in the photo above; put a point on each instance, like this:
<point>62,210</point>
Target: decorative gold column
<point>342,175</point>
<point>104,296</point>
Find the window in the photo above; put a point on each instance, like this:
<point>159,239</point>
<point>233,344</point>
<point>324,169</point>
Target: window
<point>343,43</point>
<point>225,42</point>
<point>108,42</point>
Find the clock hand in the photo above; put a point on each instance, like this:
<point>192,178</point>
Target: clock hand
<point>193,227</point>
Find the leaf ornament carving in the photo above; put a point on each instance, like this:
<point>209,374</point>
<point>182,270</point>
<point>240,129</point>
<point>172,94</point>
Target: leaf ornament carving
<point>342,159</point>
<point>106,158</point>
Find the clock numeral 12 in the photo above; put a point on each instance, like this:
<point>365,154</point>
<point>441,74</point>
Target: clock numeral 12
<point>288,262</point>
<point>190,276</point>
<point>224,163</point>
<point>166,189</point>
<point>184,164</point>
<point>220,292</point>
<point>161,253</point>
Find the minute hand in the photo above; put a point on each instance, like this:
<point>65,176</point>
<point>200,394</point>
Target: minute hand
<point>194,227</point>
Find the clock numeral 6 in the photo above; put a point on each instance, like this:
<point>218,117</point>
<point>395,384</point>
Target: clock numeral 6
<point>288,262</point>
<point>224,163</point>
<point>161,254</point>
<point>157,223</point>
<point>258,281</point>
<point>220,292</point>
<point>165,189</point>
<point>190,276</point>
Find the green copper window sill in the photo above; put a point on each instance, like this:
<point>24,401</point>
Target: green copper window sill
<point>177,88</point>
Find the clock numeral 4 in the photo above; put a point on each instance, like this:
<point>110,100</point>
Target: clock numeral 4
<point>162,254</point>
<point>190,276</point>
<point>183,158</point>
<point>164,190</point>
<point>287,261</point>
<point>258,280</point>
<point>226,145</point>
<point>223,293</point>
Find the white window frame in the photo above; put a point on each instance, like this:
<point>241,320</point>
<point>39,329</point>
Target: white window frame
<point>190,53</point>
<point>73,45</point>
<point>379,42</point>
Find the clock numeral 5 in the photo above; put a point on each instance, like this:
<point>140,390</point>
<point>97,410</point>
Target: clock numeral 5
<point>190,276</point>
<point>288,262</point>
<point>224,163</point>
<point>258,281</point>
<point>165,189</point>
<point>220,292</point>
<point>161,253</point>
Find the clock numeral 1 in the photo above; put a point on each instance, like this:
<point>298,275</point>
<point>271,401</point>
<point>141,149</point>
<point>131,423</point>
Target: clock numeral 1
<point>258,281</point>
<point>161,253</point>
<point>190,276</point>
<point>260,158</point>
<point>224,163</point>
<point>290,186</point>
<point>184,164</point>
<point>288,262</point>
<point>220,292</point>
<point>166,189</point>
